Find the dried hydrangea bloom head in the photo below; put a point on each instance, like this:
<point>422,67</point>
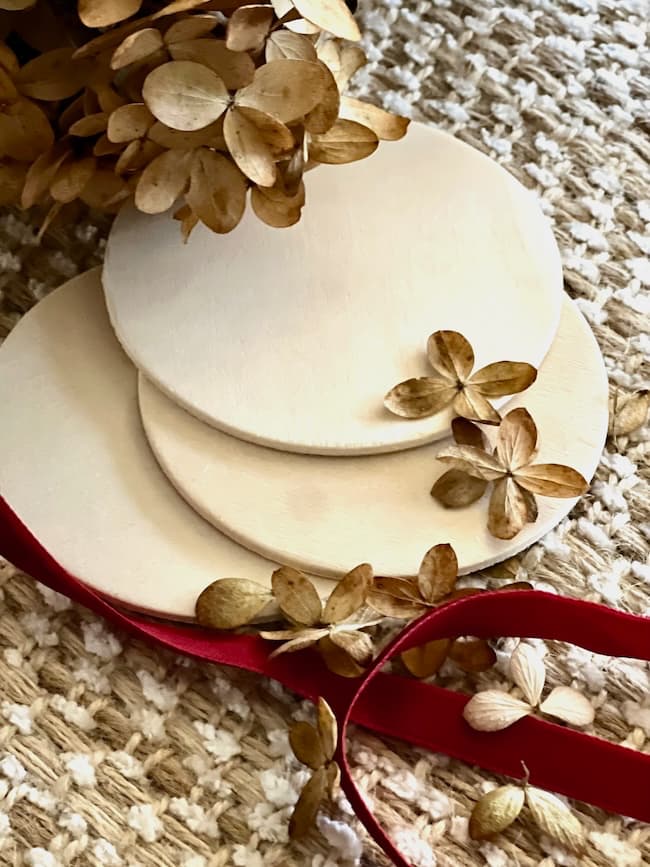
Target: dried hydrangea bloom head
<point>454,385</point>
<point>184,106</point>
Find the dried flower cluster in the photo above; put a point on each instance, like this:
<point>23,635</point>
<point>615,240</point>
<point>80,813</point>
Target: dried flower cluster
<point>492,710</point>
<point>315,746</point>
<point>189,105</point>
<point>516,479</point>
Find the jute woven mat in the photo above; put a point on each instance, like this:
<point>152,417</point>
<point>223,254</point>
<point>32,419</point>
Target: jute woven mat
<point>113,753</point>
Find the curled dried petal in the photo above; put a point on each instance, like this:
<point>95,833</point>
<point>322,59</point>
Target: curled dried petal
<point>349,594</point>
<point>304,813</point>
<point>472,460</point>
<point>569,705</point>
<point>528,671</point>
<point>556,819</point>
<point>504,377</point>
<point>455,489</point>
<point>419,398</point>
<point>495,812</point>
<point>425,660</point>
<point>509,509</point>
<point>306,744</point>
<point>552,480</point>
<point>516,439</point>
<point>451,355</point>
<point>492,710</point>
<point>296,596</point>
<point>231,602</point>
<point>438,573</point>
<point>327,729</point>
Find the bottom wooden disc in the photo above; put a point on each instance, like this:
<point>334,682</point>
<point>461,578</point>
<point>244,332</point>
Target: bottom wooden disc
<point>78,472</point>
<point>326,514</point>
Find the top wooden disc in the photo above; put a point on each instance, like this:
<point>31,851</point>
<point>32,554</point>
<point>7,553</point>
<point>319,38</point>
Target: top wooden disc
<point>291,337</point>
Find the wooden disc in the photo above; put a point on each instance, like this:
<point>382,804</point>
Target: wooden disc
<point>77,470</point>
<point>291,337</point>
<point>327,514</point>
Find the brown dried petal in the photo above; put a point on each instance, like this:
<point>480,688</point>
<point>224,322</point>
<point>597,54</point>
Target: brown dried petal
<point>235,68</point>
<point>552,480</point>
<point>450,354</point>
<point>12,180</point>
<point>504,377</point>
<point>306,744</point>
<point>455,489</point>
<point>337,660</point>
<point>556,819</point>
<point>53,75</point>
<point>328,730</point>
<point>210,136</point>
<point>345,142</point>
<point>177,6</point>
<point>472,654</point>
<point>254,140</point>
<point>528,671</point>
<point>492,710</point>
<point>343,60</point>
<point>136,47</point>
<point>287,89</point>
<point>508,510</point>
<point>569,705</point>
<point>304,813</point>
<point>465,433</point>
<point>438,573</point>
<point>248,27</point>
<point>419,398</point>
<point>425,660</point>
<point>185,95</point>
<point>71,179</point>
<point>330,15</point>
<point>358,645</point>
<point>25,132</point>
<point>470,403</point>
<point>322,118</point>
<point>90,125</point>
<point>383,599</point>
<point>217,192</point>
<point>296,596</point>
<point>495,812</point>
<point>303,638</point>
<point>41,173</point>
<point>282,211</point>
<point>349,594</point>
<point>291,46</point>
<point>129,122</point>
<point>193,27</point>
<point>516,439</point>
<point>104,13</point>
<point>230,602</point>
<point>7,87</point>
<point>333,779</point>
<point>471,460</point>
<point>9,61</point>
<point>163,181</point>
<point>386,126</point>
<point>631,415</point>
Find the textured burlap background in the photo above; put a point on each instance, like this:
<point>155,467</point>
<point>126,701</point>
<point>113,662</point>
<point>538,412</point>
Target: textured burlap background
<point>113,753</point>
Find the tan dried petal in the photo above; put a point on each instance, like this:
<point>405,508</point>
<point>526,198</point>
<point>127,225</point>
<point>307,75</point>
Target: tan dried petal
<point>248,27</point>
<point>290,46</point>
<point>493,710</point>
<point>303,638</point>
<point>504,377</point>
<point>51,215</point>
<point>471,460</point>
<point>163,181</point>
<point>569,705</point>
<point>516,439</point>
<point>306,744</point>
<point>509,509</point>
<point>177,6</point>
<point>136,47</point>
<point>129,122</point>
<point>455,489</point>
<point>9,61</point>
<point>217,192</point>
<point>349,594</point>
<point>330,15</point>
<point>71,179</point>
<point>230,602</point>
<point>425,660</point>
<point>287,89</point>
<point>185,95</point>
<point>42,172</point>
<point>394,606</point>
<point>290,18</point>
<point>465,433</point>
<point>90,125</point>
<point>12,180</point>
<point>552,480</point>
<point>343,60</point>
<point>451,355</point>
<point>210,136</point>
<point>104,13</point>
<point>16,5</point>
<point>495,812</point>
<point>235,68</point>
<point>386,126</point>
<point>358,645</point>
<point>109,99</point>
<point>528,671</point>
<point>108,40</point>
<point>438,573</point>
<point>304,813</point>
<point>337,660</point>
<point>631,415</point>
<point>254,139</point>
<point>131,155</point>
<point>296,596</point>
<point>556,819</point>
<point>470,403</point>
<point>279,211</point>
<point>345,142</point>
<point>25,132</point>
<point>328,729</point>
<point>53,75</point>
<point>419,398</point>
<point>333,779</point>
<point>322,118</point>
<point>472,654</point>
<point>191,28</point>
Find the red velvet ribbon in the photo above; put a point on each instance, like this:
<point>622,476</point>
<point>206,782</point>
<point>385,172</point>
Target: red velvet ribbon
<point>559,759</point>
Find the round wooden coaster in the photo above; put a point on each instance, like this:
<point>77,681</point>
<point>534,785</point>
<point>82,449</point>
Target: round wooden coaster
<point>291,337</point>
<point>327,514</point>
<point>77,470</point>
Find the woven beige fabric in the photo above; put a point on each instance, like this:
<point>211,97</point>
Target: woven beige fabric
<point>114,753</point>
